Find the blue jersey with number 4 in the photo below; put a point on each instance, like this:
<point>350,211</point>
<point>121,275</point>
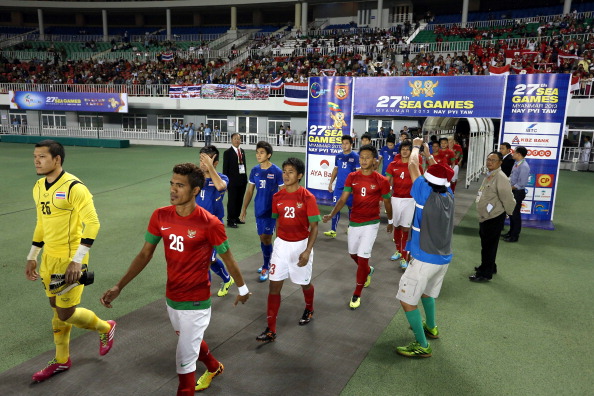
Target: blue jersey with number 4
<point>211,199</point>
<point>346,163</point>
<point>266,182</point>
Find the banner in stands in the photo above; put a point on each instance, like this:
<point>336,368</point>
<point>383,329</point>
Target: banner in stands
<point>329,116</point>
<point>534,117</point>
<point>184,91</point>
<point>437,96</point>
<point>252,91</point>
<point>218,91</point>
<point>69,101</point>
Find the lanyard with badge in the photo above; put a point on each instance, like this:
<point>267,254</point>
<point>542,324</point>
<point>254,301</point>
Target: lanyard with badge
<point>240,162</point>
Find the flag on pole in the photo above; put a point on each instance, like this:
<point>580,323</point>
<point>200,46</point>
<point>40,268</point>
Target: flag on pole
<point>296,94</point>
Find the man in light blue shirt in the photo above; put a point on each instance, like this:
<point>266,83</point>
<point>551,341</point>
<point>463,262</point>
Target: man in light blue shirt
<point>519,180</point>
<point>207,135</point>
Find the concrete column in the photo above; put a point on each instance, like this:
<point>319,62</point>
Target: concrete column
<point>105,31</point>
<point>168,17</point>
<point>464,12</point>
<point>567,7</point>
<point>297,24</point>
<point>380,11</point>
<point>41,27</point>
<point>233,18</point>
<point>304,17</point>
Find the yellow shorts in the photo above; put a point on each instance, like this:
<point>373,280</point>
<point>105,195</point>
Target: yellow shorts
<point>57,265</point>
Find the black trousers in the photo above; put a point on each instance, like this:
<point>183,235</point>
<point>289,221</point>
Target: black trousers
<point>490,232</point>
<point>515,221</point>
<point>234,201</point>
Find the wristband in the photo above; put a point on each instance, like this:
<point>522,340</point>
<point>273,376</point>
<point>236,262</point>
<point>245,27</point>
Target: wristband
<point>390,221</point>
<point>33,253</point>
<point>243,290</point>
<point>80,254</point>
<point>417,147</point>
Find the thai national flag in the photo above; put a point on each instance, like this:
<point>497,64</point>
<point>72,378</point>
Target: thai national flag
<point>167,56</point>
<point>277,83</point>
<point>296,94</point>
<point>60,195</point>
<point>241,87</point>
<point>176,91</point>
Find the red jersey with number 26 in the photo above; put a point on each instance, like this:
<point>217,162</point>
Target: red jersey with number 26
<point>188,243</point>
<point>367,191</point>
<point>401,181</point>
<point>294,211</point>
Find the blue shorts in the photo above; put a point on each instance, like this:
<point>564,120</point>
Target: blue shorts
<point>336,196</point>
<point>265,225</point>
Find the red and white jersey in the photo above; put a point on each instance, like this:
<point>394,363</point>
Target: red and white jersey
<point>458,152</point>
<point>188,243</point>
<point>445,157</point>
<point>367,192</point>
<point>294,211</point>
<point>401,180</point>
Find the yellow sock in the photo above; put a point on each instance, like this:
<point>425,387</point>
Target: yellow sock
<point>86,319</point>
<point>61,338</point>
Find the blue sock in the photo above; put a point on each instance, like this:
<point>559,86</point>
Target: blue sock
<point>416,323</point>
<point>266,253</point>
<point>219,268</point>
<point>335,221</point>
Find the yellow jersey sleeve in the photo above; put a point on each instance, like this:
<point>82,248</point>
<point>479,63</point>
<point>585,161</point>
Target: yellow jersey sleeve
<point>38,233</point>
<point>82,201</point>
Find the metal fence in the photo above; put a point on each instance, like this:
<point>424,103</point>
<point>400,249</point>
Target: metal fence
<point>479,146</point>
<point>512,21</point>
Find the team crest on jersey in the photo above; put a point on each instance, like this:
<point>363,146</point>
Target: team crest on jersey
<point>60,195</point>
<point>299,205</point>
<point>191,233</point>
<point>373,186</point>
<point>351,160</point>
<point>270,176</point>
<point>210,183</point>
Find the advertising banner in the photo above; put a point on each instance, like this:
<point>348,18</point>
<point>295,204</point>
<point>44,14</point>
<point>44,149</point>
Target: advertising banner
<point>329,116</point>
<point>69,101</point>
<point>437,96</point>
<point>534,116</point>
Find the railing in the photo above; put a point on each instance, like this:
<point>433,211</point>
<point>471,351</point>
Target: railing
<point>512,21</point>
<point>479,146</point>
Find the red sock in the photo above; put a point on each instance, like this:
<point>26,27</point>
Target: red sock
<point>187,383</point>
<point>362,272</point>
<point>274,301</point>
<point>403,240</point>
<point>355,258</point>
<point>398,238</point>
<point>206,357</point>
<point>309,297</point>
<point>453,186</point>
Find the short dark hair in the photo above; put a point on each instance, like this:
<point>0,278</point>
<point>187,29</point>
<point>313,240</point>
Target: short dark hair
<point>506,144</point>
<point>435,142</point>
<point>295,163</point>
<point>209,150</point>
<point>391,139</point>
<point>498,154</point>
<point>235,133</point>
<point>366,135</point>
<point>194,173</point>
<point>347,137</point>
<point>55,148</point>
<point>369,147</point>
<point>405,143</point>
<point>264,145</point>
<point>442,139</point>
<point>522,151</point>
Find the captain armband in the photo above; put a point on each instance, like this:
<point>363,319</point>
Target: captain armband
<point>33,253</point>
<point>80,254</point>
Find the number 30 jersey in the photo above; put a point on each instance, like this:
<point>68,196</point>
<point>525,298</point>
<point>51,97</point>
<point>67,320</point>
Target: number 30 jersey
<point>188,243</point>
<point>294,211</point>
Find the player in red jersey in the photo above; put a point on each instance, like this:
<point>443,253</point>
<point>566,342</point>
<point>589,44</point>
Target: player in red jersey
<point>297,215</point>
<point>457,149</point>
<point>190,233</point>
<point>403,204</point>
<point>444,155</point>
<point>368,188</point>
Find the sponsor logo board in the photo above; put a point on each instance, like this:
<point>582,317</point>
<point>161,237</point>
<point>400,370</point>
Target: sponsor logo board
<point>537,128</point>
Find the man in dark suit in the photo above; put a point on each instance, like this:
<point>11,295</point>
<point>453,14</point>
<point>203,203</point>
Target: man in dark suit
<point>508,160</point>
<point>234,167</point>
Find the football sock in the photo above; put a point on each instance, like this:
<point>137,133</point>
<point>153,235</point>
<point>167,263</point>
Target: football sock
<point>309,297</point>
<point>355,258</point>
<point>86,319</point>
<point>398,238</point>
<point>187,383</point>
<point>403,240</point>
<point>274,301</point>
<point>362,272</point>
<point>429,306</point>
<point>218,268</point>
<point>61,338</point>
<point>266,253</point>
<point>206,357</point>
<point>416,323</point>
<point>335,221</point>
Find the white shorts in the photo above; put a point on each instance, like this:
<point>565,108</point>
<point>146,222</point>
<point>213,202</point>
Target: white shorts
<point>189,325</point>
<point>403,211</point>
<point>420,278</point>
<point>284,260</point>
<point>456,170</point>
<point>361,239</point>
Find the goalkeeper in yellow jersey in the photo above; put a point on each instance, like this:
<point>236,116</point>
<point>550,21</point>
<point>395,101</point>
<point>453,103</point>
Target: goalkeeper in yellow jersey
<point>67,225</point>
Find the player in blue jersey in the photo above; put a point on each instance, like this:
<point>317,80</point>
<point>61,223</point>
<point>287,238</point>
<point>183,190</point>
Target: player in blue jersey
<point>388,152</point>
<point>211,199</point>
<point>266,178</point>
<point>344,163</point>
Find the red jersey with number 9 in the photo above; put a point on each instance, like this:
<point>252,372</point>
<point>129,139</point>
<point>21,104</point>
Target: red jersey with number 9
<point>367,191</point>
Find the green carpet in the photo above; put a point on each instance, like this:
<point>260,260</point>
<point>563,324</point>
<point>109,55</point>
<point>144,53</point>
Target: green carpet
<point>524,333</point>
